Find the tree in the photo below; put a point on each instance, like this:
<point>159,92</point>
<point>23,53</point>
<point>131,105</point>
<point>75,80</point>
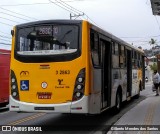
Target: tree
<point>153,67</point>
<point>153,42</point>
<point>140,47</point>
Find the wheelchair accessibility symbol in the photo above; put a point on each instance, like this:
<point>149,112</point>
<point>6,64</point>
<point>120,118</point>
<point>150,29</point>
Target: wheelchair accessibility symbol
<point>24,85</point>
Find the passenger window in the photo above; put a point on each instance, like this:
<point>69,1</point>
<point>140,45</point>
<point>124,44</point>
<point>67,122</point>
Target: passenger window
<point>116,49</point>
<point>113,48</point>
<point>121,56</point>
<point>122,50</point>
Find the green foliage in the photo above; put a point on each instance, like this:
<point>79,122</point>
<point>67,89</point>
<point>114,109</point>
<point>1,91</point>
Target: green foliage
<point>152,42</point>
<point>153,67</point>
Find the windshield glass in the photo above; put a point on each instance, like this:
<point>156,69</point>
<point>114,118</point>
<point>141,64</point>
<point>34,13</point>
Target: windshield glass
<point>47,40</point>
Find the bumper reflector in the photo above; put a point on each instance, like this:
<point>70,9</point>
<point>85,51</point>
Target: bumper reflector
<point>76,108</point>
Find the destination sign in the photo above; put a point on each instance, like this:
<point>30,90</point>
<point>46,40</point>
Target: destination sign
<point>46,30</point>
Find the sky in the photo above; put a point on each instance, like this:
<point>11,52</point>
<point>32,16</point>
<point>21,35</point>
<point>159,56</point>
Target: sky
<point>130,20</point>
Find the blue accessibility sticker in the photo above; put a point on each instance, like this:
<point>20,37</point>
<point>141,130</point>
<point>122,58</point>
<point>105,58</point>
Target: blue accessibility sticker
<point>24,85</point>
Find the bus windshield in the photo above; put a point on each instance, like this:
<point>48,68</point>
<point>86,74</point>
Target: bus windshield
<point>47,40</point>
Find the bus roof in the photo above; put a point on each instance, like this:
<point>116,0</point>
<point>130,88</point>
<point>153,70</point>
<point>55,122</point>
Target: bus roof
<point>118,40</point>
<point>110,35</point>
<point>50,21</point>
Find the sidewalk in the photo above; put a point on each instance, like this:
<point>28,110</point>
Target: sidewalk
<point>147,112</point>
<point>149,82</point>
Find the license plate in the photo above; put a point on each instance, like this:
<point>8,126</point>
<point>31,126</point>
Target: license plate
<point>44,95</point>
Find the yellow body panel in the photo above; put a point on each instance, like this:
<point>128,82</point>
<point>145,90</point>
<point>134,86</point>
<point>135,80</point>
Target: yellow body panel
<point>59,76</point>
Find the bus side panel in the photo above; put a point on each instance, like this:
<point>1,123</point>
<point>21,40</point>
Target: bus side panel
<point>140,79</point>
<point>95,97</point>
<point>143,72</point>
<point>119,80</point>
<point>115,84</point>
<point>135,82</point>
<point>4,75</point>
<point>82,105</point>
<point>123,73</point>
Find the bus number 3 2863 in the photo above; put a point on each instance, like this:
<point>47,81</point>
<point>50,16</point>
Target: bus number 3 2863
<point>63,72</point>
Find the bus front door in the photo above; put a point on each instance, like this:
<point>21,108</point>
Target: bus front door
<point>129,73</point>
<point>106,73</point>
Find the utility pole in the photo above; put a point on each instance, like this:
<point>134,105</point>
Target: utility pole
<point>75,15</point>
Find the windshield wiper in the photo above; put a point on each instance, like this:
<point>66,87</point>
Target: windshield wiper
<point>69,31</point>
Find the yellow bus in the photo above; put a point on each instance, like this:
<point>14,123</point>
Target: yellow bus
<point>72,66</point>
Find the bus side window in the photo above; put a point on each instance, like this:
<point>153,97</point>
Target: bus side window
<point>121,56</point>
<point>134,59</point>
<point>139,61</point>
<point>125,59</point>
<point>95,48</point>
<point>116,49</point>
<point>113,48</point>
<point>115,56</point>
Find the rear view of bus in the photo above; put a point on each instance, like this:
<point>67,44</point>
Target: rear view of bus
<point>48,67</point>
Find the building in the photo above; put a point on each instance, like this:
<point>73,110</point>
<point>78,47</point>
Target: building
<point>155,5</point>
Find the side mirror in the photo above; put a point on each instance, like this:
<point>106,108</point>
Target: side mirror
<point>12,32</point>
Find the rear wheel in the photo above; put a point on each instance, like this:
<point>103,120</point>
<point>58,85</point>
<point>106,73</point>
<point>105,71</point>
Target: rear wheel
<point>137,96</point>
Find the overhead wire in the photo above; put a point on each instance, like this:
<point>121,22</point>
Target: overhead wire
<point>4,33</point>
<point>83,13</point>
<point>2,43</point>
<point>5,37</point>
<point>143,37</point>
<point>61,6</point>
<point>138,41</point>
<point>4,40</point>
<point>9,19</point>
<point>141,41</point>
<point>24,4</point>
<point>59,3</point>
<point>72,8</point>
<point>17,13</point>
<point>30,4</point>
<point>6,24</point>
<point>14,16</point>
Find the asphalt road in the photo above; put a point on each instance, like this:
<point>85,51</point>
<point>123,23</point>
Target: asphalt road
<point>67,123</point>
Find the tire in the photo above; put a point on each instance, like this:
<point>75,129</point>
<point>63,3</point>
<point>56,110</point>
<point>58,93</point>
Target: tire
<point>137,96</point>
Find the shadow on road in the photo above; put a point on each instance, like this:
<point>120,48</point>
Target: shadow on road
<point>81,122</point>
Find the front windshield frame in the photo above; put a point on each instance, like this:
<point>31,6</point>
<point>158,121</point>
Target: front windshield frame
<point>64,54</point>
